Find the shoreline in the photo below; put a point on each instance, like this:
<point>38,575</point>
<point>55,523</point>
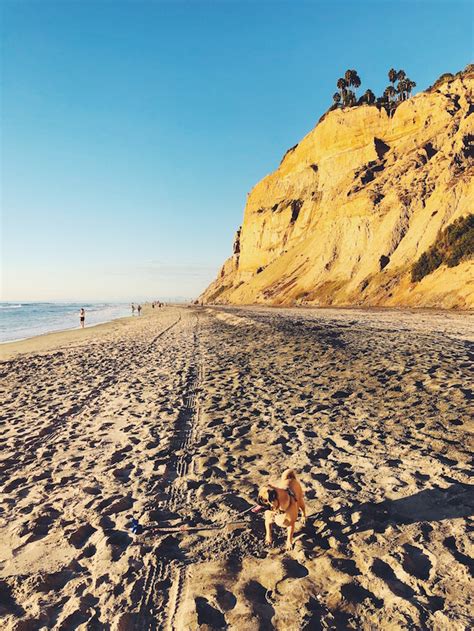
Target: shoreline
<point>88,326</point>
<point>45,342</point>
<point>52,340</point>
<point>37,319</point>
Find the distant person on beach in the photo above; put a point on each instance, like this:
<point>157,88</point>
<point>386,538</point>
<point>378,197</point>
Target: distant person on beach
<point>133,309</point>
<point>139,309</point>
<point>82,318</point>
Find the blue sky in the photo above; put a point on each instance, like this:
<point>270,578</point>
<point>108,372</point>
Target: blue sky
<point>133,131</point>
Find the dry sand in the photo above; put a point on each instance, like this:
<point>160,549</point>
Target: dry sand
<point>179,416</point>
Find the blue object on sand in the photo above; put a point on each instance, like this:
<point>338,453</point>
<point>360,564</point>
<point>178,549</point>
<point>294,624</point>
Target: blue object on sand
<point>135,527</point>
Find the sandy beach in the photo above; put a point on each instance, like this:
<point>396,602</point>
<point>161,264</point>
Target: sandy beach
<point>177,417</point>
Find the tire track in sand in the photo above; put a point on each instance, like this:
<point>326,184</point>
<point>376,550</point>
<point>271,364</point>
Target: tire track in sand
<point>49,434</point>
<point>165,577</point>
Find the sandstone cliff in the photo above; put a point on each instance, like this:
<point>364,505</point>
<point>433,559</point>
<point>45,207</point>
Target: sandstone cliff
<point>355,204</point>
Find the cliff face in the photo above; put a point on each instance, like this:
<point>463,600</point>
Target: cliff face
<point>355,204</point>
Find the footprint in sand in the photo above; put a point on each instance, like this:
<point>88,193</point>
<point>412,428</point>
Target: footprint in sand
<point>208,615</point>
<point>464,559</point>
<point>119,542</point>
<point>382,570</point>
<point>346,566</point>
<point>123,474</point>
<point>79,537</point>
<point>416,562</point>
<point>225,599</point>
<point>355,594</point>
<point>256,594</point>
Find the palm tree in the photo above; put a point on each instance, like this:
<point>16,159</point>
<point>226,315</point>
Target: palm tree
<point>401,74</point>
<point>389,95</point>
<point>369,97</point>
<point>392,76</point>
<point>355,79</point>
<point>402,89</point>
<point>352,78</point>
<point>342,85</point>
<point>336,97</point>
<point>410,85</point>
<point>389,92</point>
<point>350,99</point>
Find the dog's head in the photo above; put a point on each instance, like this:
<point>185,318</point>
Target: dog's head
<point>267,496</point>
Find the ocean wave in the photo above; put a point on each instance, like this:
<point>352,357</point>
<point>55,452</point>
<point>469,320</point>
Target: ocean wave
<point>25,320</point>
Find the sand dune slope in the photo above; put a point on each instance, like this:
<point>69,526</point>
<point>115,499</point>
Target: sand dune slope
<point>179,417</point>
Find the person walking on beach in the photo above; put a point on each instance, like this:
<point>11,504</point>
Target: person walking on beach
<point>82,317</point>
<point>133,309</point>
<point>139,308</point>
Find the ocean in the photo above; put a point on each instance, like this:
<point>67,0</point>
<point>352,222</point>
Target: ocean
<point>27,319</point>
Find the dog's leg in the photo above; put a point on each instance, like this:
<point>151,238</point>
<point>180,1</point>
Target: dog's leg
<point>303,510</point>
<point>289,541</point>
<point>268,526</point>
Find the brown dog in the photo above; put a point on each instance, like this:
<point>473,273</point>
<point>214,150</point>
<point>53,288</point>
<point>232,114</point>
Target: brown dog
<point>285,500</point>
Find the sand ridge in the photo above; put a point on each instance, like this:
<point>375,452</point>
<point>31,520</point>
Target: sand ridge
<point>179,416</point>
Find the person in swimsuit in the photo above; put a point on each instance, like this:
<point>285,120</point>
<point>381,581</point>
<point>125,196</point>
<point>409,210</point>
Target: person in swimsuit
<point>139,309</point>
<point>82,317</point>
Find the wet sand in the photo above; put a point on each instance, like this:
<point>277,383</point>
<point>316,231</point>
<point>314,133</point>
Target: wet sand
<point>178,417</point>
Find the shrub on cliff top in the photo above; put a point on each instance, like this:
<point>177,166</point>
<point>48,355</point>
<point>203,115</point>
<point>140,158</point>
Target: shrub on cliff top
<point>452,246</point>
<point>449,76</point>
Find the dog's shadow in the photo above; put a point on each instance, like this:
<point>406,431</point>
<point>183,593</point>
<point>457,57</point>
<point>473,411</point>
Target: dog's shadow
<point>429,505</point>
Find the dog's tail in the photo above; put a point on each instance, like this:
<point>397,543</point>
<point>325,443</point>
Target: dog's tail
<point>289,474</point>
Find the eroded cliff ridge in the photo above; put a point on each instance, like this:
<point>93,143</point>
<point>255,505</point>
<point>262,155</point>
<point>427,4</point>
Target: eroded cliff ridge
<point>355,204</point>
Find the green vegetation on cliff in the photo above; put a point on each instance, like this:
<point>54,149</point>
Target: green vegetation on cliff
<point>453,245</point>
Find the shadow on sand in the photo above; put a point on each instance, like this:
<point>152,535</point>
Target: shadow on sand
<point>429,505</point>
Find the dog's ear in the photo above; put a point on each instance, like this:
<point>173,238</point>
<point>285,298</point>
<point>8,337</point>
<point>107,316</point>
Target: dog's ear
<point>272,495</point>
